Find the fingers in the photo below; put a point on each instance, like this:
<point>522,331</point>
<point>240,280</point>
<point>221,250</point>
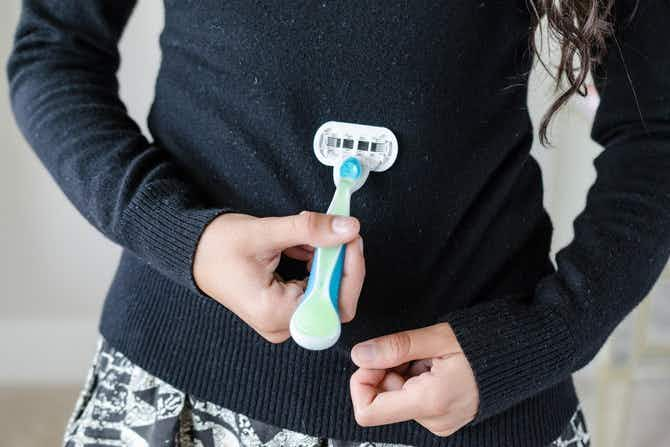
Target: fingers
<point>363,386</point>
<point>392,350</point>
<point>270,313</point>
<point>443,399</point>
<point>353,275</point>
<point>378,400</point>
<point>237,256</point>
<point>256,293</point>
<point>316,229</point>
<point>392,382</point>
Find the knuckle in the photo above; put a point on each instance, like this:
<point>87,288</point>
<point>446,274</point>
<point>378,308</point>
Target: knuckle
<point>263,229</point>
<point>308,223</point>
<point>294,290</point>
<point>265,318</point>
<point>436,404</point>
<point>400,345</point>
<point>267,297</point>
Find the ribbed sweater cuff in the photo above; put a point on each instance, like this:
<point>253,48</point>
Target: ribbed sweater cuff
<point>516,350</point>
<point>165,232</point>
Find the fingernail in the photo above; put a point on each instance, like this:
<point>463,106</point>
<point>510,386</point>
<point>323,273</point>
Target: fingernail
<point>364,352</point>
<point>343,224</point>
<point>360,244</point>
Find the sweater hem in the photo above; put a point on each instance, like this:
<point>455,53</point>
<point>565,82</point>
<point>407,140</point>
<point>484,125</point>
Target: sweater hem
<point>196,345</point>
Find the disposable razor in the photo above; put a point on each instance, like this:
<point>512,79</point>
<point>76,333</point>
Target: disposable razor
<point>353,150</point>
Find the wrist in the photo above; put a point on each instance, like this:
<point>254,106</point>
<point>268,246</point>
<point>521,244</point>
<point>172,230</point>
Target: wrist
<point>208,246</point>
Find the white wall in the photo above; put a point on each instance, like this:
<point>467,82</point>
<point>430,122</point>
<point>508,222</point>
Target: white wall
<point>55,268</point>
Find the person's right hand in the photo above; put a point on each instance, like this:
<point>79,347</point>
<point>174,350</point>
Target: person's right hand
<point>237,255</point>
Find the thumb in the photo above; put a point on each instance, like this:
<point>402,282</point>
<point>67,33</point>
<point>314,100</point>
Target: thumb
<point>316,229</point>
<point>392,350</point>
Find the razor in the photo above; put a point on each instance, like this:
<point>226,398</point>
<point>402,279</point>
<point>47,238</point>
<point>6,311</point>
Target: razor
<point>353,150</point>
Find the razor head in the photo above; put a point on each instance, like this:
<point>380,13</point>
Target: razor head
<point>376,147</point>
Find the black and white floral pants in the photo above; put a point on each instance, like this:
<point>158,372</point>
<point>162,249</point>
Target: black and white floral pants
<point>123,405</point>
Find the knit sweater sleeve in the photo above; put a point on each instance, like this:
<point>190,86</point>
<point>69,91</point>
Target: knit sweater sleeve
<point>64,92</point>
<point>519,347</point>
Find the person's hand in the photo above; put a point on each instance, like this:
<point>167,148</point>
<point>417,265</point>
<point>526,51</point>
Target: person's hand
<point>237,255</point>
<point>420,374</point>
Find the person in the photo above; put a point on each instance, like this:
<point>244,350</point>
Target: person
<point>459,330</point>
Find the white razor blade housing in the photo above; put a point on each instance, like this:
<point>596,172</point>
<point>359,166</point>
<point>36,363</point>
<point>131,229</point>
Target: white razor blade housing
<point>376,147</point>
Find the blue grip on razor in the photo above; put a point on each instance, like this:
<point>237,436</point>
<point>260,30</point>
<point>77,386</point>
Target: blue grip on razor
<point>316,322</point>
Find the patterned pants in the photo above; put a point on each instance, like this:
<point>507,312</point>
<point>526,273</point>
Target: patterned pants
<point>123,405</point>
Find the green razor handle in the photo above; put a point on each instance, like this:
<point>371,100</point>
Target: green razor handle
<point>315,324</point>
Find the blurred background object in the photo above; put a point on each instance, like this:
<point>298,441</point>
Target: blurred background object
<point>55,270</point>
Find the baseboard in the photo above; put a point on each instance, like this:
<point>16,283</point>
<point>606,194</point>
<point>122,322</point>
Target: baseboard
<point>46,352</point>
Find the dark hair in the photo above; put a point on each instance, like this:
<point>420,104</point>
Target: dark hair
<point>581,28</point>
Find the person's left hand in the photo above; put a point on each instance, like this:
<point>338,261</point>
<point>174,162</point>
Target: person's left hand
<point>420,374</point>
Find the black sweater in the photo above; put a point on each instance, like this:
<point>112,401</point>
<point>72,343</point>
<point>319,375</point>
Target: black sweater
<point>455,231</point>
